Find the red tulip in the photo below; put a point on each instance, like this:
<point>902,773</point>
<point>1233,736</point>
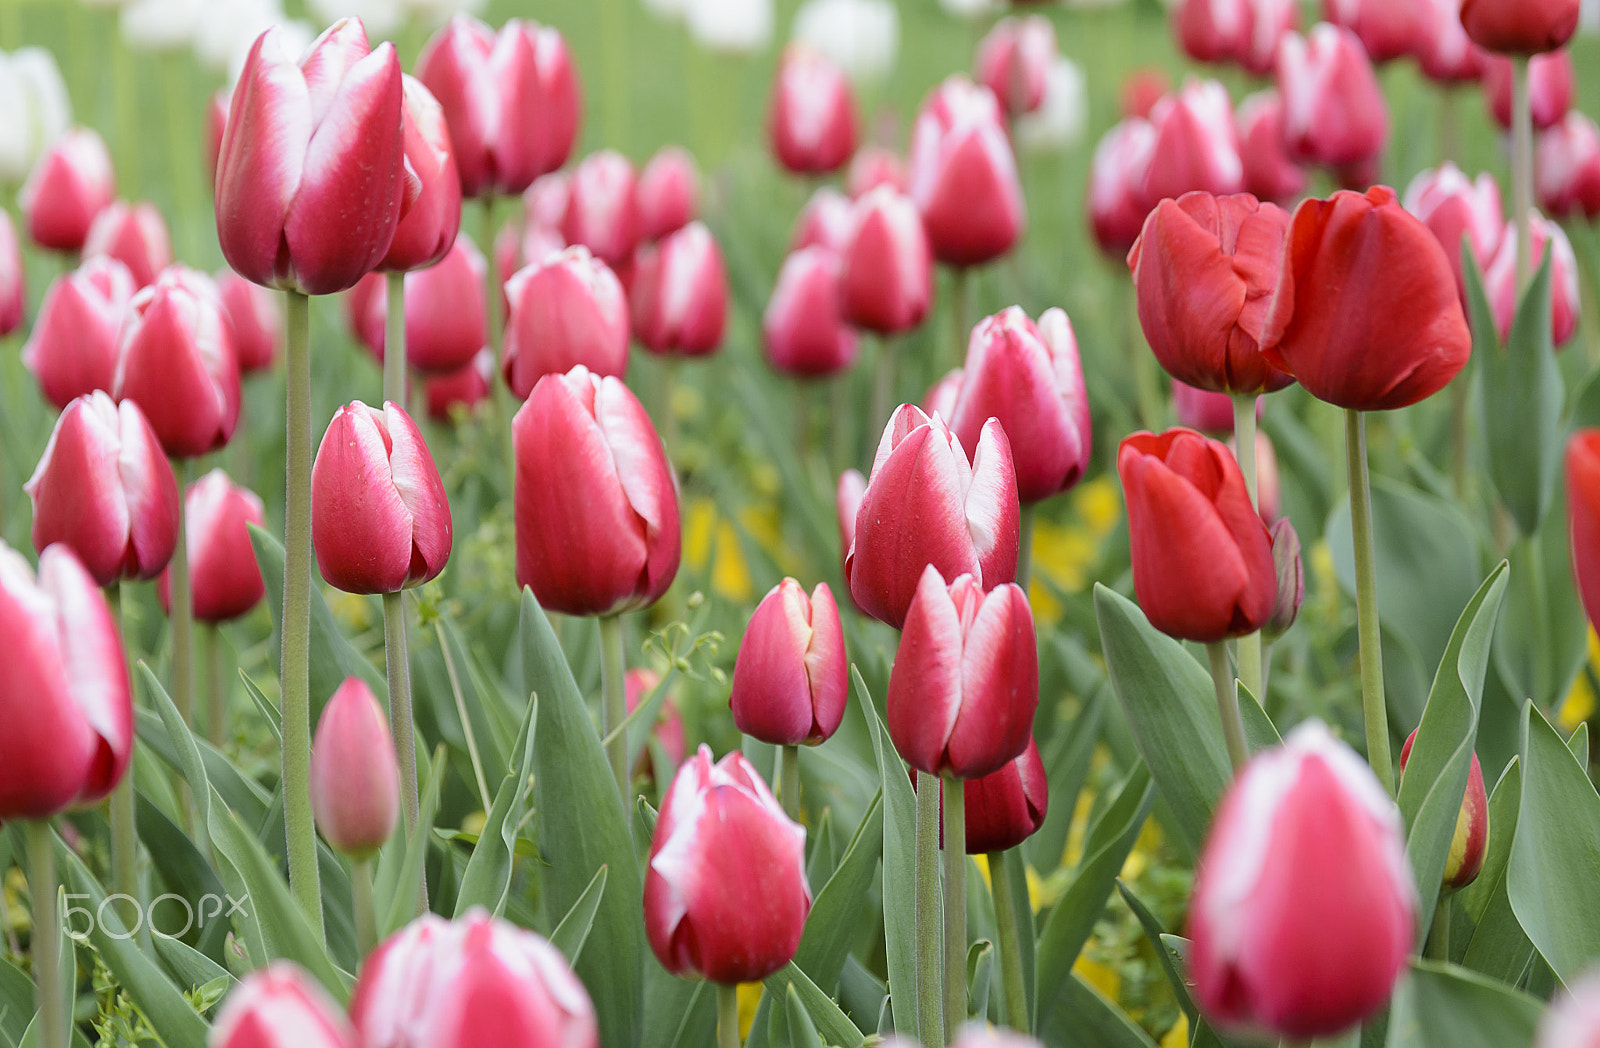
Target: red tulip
<point>725,893</point>
<point>1573,1019</point>
<point>1566,169</point>
<point>1500,279</point>
<point>511,100</point>
<point>1360,272</point>
<point>1520,27</point>
<point>1471,838</point>
<point>1116,200</point>
<point>466,388</point>
<point>925,504</point>
<point>812,120</point>
<point>1291,572</point>
<point>875,166</point>
<point>72,350</point>
<point>1448,56</point>
<point>964,176</point>
<point>638,685</point>
<point>596,501</point>
<point>667,193</point>
<point>1242,31</point>
<point>134,235</point>
<point>1269,172</point>
<point>281,1006</point>
<point>224,579</point>
<point>255,316</point>
<point>1196,144</point>
<point>1006,807</point>
<point>64,694</point>
<point>425,234</point>
<point>1453,208</point>
<point>567,311</point>
<point>13,280</point>
<point>355,777</point>
<point>803,329</point>
<point>312,180</point>
<point>444,314</point>
<point>1303,910</point>
<point>791,678</point>
<point>888,266</point>
<point>1583,516</point>
<point>679,294</point>
<point>1202,560</point>
<point>1333,108</point>
<point>1014,59</point>
<point>601,212</point>
<point>1388,29</point>
<point>104,488</point>
<point>965,681</point>
<point>1550,88</point>
<point>1204,410</point>
<point>69,186</point>
<point>825,221</point>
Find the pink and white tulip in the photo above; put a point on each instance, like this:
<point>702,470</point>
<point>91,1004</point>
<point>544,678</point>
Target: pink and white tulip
<point>72,349</point>
<point>566,311</point>
<point>1500,279</point>
<point>811,122</point>
<point>135,235</point>
<point>887,264</point>
<point>224,579</point>
<point>803,329</point>
<point>355,777</point>
<point>281,1006</point>
<point>70,185</point>
<point>679,294</point>
<point>791,677</point>
<point>1333,109</point>
<point>963,175</point>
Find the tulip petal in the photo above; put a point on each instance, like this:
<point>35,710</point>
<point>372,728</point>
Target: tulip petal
<point>416,480</point>
<point>925,697</point>
<point>992,512</point>
<point>999,686</point>
<point>73,502</point>
<point>827,667</point>
<point>361,527</point>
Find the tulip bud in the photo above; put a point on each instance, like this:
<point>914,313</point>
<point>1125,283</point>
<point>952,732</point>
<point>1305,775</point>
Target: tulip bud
<point>1014,60</point>
<point>1387,29</point>
<point>429,227</point>
<point>639,684</point>
<point>925,504</point>
<point>1116,201</point>
<point>1202,560</point>
<point>1269,172</point>
<point>1333,108</point>
<point>176,360</point>
<point>596,501</point>
<point>1583,516</point>
<point>1500,279</point>
<point>941,396</point>
<point>679,294</point>
<point>280,1006</point>
<point>791,677</point>
<point>1469,843</point>
<point>825,221</point>
<point>355,778</point>
<point>445,323</point>
<point>224,579</point>
<point>965,681</point>
<point>964,176</point>
<point>803,328</point>
<point>871,167</point>
<point>64,694</point>
<point>568,310</point>
<point>1303,910</point>
<point>68,187</point>
<point>72,349</point>
<point>725,893</point>
<point>1291,573</point>
<point>466,388</point>
<point>601,212</point>
<point>380,521</point>
<point>13,280</point>
<point>667,193</point>
<point>1566,168</point>
<point>1550,88</point>
<point>1447,55</point>
<point>1573,1019</point>
<point>134,235</point>
<point>1196,144</point>
<point>1453,208</point>
<point>255,316</point>
<point>1204,410</point>
<point>812,119</point>
<point>1520,27</point>
<point>888,266</point>
<point>847,496</point>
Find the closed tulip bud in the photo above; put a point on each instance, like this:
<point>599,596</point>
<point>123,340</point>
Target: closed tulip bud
<point>847,496</point>
<point>511,101</point>
<point>1006,807</point>
<point>1573,1019</point>
<point>255,316</point>
<point>1566,168</point>
<point>1333,108</point>
<point>1387,29</point>
<point>104,488</point>
<point>445,322</point>
<point>1448,56</point>
<point>72,349</point>
<point>791,678</point>
<point>1291,572</point>
<point>281,1006</point>
<point>1303,910</point>
<point>224,579</point>
<point>1269,172</point>
<point>13,281</point>
<point>874,166</point>
<point>1500,280</point>
<point>888,265</point>
<point>1014,60</point>
<point>69,186</point>
<point>464,389</point>
<point>965,681</point>
<point>639,684</point>
<point>964,176</point>
<point>601,212</point>
<point>667,193</point>
<point>429,227</point>
<point>1454,208</point>
<point>1196,144</point>
<point>355,778</point>
<point>811,122</point>
<point>596,501</point>
<point>134,235</point>
<point>926,503</point>
<point>1116,201</point>
<point>725,893</point>
<point>1520,27</point>
<point>1583,516</point>
<point>679,294</point>
<point>826,221</point>
<point>1141,90</point>
<point>64,695</point>
<point>1358,272</point>
<point>566,311</point>
<point>1469,843</point>
<point>1204,410</point>
<point>1550,88</point>
<point>38,109</point>
<point>803,329</point>
<point>1202,559</point>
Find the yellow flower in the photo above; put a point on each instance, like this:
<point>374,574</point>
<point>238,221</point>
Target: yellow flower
<point>1102,977</point>
<point>1178,1036</point>
<point>749,1001</point>
<point>711,539</point>
<point>1579,705</point>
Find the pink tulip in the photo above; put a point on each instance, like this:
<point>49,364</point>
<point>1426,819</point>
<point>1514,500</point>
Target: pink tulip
<point>803,328</point>
<point>1454,209</point>
<point>511,100</point>
<point>64,694</point>
<point>466,388</point>
<point>791,678</point>
<point>13,280</point>
<point>847,495</point>
<point>1013,61</point>
<point>941,396</point>
<point>134,235</point>
<point>1500,279</point>
<point>725,893</point>
<point>979,1035</point>
<point>965,681</point>
<point>596,501</point>
<point>1204,410</point>
<point>312,180</point>
<point>1116,200</point>
<point>1303,910</point>
<point>1242,31</point>
<point>601,212</point>
<point>1196,144</point>
<point>639,684</point>
<point>1333,108</point>
<point>104,488</point>
<point>1269,172</point>
<point>1566,168</point>
<point>425,234</point>
<point>1520,26</point>
<point>68,187</point>
<point>811,123</point>
<point>1387,29</point>
<point>281,1006</point>
<point>875,166</point>
<point>888,266</point>
<point>964,176</point>
<point>380,521</point>
<point>1448,56</point>
<point>216,126</point>
<point>1573,1019</point>
<point>224,579</point>
<point>444,316</point>
<point>1550,88</point>
<point>355,777</point>
<point>667,193</point>
<point>1141,90</point>
<point>679,294</point>
<point>567,311</point>
<point>1006,807</point>
<point>255,316</point>
<point>72,349</point>
<point>926,504</point>
<point>825,221</point>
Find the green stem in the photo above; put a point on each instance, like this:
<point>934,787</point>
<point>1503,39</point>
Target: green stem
<point>925,901</point>
<point>1530,569</point>
<point>1025,545</point>
<point>838,411</point>
<point>960,311</point>
<point>1146,383</point>
<point>1228,704</point>
<point>216,690</point>
<point>1522,168</point>
<point>1007,930</point>
<point>789,788</point>
<point>1439,937</point>
<point>502,401</point>
<point>955,905</point>
<point>614,698</point>
<point>1449,124</point>
<point>1373,706</point>
<point>366,914</point>
<point>295,671</point>
<point>1244,441</point>
<point>466,721</point>
<point>125,104</point>
<point>394,341</point>
<point>182,601</point>
<point>883,401</point>
<point>727,1015</point>
<point>44,890</point>
<point>124,832</point>
<point>402,725</point>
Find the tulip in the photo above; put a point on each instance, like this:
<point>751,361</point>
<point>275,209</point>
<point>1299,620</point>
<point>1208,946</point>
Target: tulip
<point>1204,410</point>
<point>1141,90</point>
<point>791,678</point>
<point>545,201</point>
<point>1387,29</point>
<point>427,230</point>
<point>1567,168</point>
<point>1550,88</point>
<point>1455,208</point>
<point>281,1006</point>
<point>1269,172</point>
<point>925,504</point>
<point>979,1035</point>
<point>511,101</point>
<point>601,212</point>
<point>861,37</point>
<point>67,188</point>
<point>38,109</point>
<point>1583,516</point>
<point>1333,108</point>
<point>136,236</point>
<point>1303,910</point>
<point>1447,55</point>
<point>803,328</point>
<point>1520,27</point>
<point>567,311</point>
<point>826,221</point>
<point>1242,31</point>
<point>380,521</point>
<point>964,176</point>
<point>1059,121</point>
<point>847,496</point>
<point>1573,1019</point>
<point>667,193</point>
<point>1202,559</point>
<point>1291,574</point>
<point>255,316</point>
<point>72,349</point>
<point>871,167</point>
<point>312,182</point>
<point>1006,807</point>
<point>1500,279</point>
<point>465,388</point>
<point>596,501</point>
<point>355,779</point>
<point>444,315</point>
<point>887,264</point>
<point>725,893</point>
<point>1014,60</point>
<point>1116,202</point>
<point>679,294</point>
<point>639,684</point>
<point>1360,272</point>
<point>64,693</point>
<point>225,580</point>
<point>13,280</point>
<point>1196,144</point>
<point>811,123</point>
<point>1469,843</point>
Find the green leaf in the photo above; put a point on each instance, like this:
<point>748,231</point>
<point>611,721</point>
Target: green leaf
<point>1171,965</point>
<point>189,761</point>
<point>899,857</point>
<point>819,865</point>
<point>802,1031</point>
<point>1443,1006</point>
<point>831,1023</point>
<point>980,974</point>
<point>573,931</point>
<point>395,898</point>
<point>1066,761</point>
<point>1084,1018</point>
<point>190,967</point>
<point>1498,947</point>
<point>1027,934</point>
<point>270,714</point>
<point>488,875</point>
<point>241,793</point>
<point>682,1014</point>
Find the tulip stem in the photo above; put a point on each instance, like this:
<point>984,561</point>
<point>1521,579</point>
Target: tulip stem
<point>1244,441</point>
<point>466,722</point>
<point>1439,936</point>
<point>44,890</point>
<point>789,788</point>
<point>1006,930</point>
<point>614,699</point>
<point>124,831</point>
<point>216,696</point>
<point>1522,168</point>
<point>295,669</point>
<point>394,341</point>
<point>960,307</point>
<point>669,412</point>
<point>727,1015</point>
<point>182,601</point>
<point>1373,706</point>
<point>366,914</point>
<point>1025,544</point>
<point>401,723</point>
<point>925,902</point>
<point>1228,704</point>
<point>882,390</point>
<point>955,905</point>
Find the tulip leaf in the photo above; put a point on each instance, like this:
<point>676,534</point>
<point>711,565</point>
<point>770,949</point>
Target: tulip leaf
<point>802,1031</point>
<point>573,931</point>
<point>1443,1006</point>
<point>899,864</point>
<point>488,875</point>
<point>33,1038</point>
<point>188,966</point>
<point>183,870</point>
<point>264,706</point>
<point>1555,857</point>
<point>1085,1018</point>
<point>681,1014</point>
<point>242,794</point>
<point>1579,744</point>
<point>1171,965</point>
<point>1498,947</point>
<point>582,822</point>
<point>189,762</point>
<point>17,1002</point>
<point>491,717</point>
<point>980,974</point>
<point>1066,756</point>
<point>395,898</point>
<point>1542,640</point>
<point>831,1023</point>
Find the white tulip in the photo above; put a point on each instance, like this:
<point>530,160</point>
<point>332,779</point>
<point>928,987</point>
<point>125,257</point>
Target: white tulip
<point>1059,121</point>
<point>380,17</point>
<point>860,36</point>
<point>160,25</point>
<point>34,98</point>
<point>432,13</point>
<point>227,25</point>
<point>737,26</point>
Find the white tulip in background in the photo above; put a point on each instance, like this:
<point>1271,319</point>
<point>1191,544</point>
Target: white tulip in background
<point>1059,121</point>
<point>862,37</point>
<point>160,25</point>
<point>226,25</point>
<point>737,26</point>
<point>1589,16</point>
<point>37,109</point>
<point>381,17</point>
<point>434,13</point>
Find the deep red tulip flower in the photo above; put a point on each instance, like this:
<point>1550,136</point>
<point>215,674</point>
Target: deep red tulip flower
<point>667,193</point>
<point>281,1006</point>
<point>1448,56</point>
<point>1333,108</point>
<point>13,280</point>
<point>1455,208</point>
<point>965,681</point>
<point>1566,168</point>
<point>1303,910</point>
<point>638,685</point>
<point>255,316</point>
<point>511,100</point>
<point>1520,27</point>
<point>596,501</point>
<point>803,329</point>
<point>1583,516</point>
<point>1196,144</point>
<point>888,265</point>
<point>69,186</point>
<point>1202,561</point>
<point>1551,86</point>
<point>1366,315</point>
<point>679,294</point>
<point>1500,279</point>
<point>445,320</point>
<point>355,777</point>
<point>725,894</point>
<point>791,678</point>
<point>1030,379</point>
<point>224,578</point>
<point>135,235</point>
<point>466,388</point>
<point>429,227</point>
<point>964,176</point>
<point>1241,31</point>
<point>926,503</point>
<point>1006,807</point>
<point>1014,59</point>
<point>847,496</point>
<point>104,488</point>
<point>1116,200</point>
<point>826,221</point>
<point>1204,410</point>
<point>811,122</point>
<point>601,212</point>
<point>1269,172</point>
<point>380,521</point>
<point>1469,843</point>
<point>566,311</point>
<point>216,126</point>
<point>875,166</point>
<point>72,349</point>
<point>1388,29</point>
